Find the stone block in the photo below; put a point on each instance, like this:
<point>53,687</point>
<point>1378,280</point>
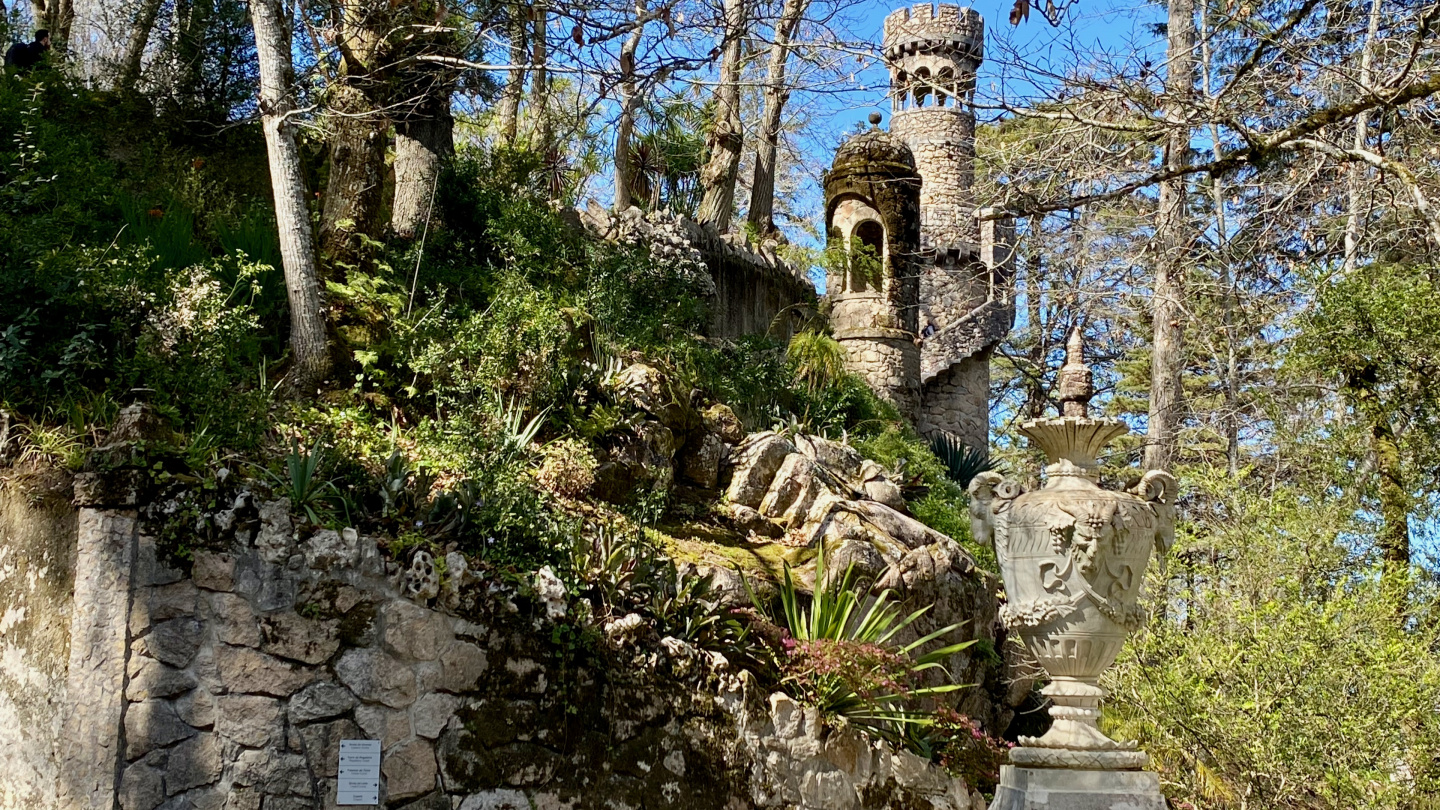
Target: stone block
<point>151,725</point>
<point>156,680</point>
<point>175,642</point>
<point>431,712</point>
<point>267,586</point>
<point>162,603</point>
<point>273,772</point>
<point>409,770</point>
<point>1067,789</point>
<point>204,799</point>
<point>386,725</point>
<point>197,708</point>
<point>142,787</point>
<point>193,763</point>
<point>319,701</point>
<point>290,635</point>
<point>413,632</point>
<point>377,677</point>
<point>235,620</point>
<point>250,720</point>
<point>502,799</point>
<point>253,672</point>
<point>213,571</point>
<point>276,539</point>
<point>321,742</point>
<point>243,799</point>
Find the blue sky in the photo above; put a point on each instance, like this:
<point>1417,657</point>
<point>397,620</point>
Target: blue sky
<point>1020,62</point>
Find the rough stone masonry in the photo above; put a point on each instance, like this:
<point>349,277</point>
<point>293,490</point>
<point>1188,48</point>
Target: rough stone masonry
<point>225,677</point>
<point>946,290</point>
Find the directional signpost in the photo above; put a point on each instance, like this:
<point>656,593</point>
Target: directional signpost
<point>359,781</point>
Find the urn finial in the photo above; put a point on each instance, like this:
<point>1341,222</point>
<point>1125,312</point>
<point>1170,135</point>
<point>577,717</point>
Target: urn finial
<point>1077,384</point>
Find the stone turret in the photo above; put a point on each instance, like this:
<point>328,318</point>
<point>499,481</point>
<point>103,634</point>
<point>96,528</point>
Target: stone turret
<point>872,218</point>
<point>964,269</point>
<point>933,55</point>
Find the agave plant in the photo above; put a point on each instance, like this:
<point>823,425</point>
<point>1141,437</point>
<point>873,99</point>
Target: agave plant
<point>517,434</point>
<point>962,462</point>
<point>309,494</point>
<point>843,659</point>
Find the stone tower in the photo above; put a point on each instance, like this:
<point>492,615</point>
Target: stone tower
<point>872,219</point>
<point>964,265</point>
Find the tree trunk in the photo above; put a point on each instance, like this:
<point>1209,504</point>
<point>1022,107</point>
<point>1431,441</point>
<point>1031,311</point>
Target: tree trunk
<point>761,213</point>
<point>727,133</point>
<point>1230,374</point>
<point>134,58</point>
<point>307,326</point>
<point>625,126</point>
<point>540,82</point>
<point>515,79</point>
<point>1035,396</point>
<point>1394,536</point>
<point>1355,173</point>
<point>423,142</point>
<point>56,16</point>
<point>355,189</point>
<point>1172,242</point>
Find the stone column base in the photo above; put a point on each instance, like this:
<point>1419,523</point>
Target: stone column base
<point>1065,789</point>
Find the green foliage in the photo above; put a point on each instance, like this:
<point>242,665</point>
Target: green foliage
<point>817,359</point>
<point>1278,675</point>
<point>935,499</point>
<point>840,656</point>
<point>962,462</point>
<point>309,494</point>
<point>623,571</point>
<point>1376,336</point>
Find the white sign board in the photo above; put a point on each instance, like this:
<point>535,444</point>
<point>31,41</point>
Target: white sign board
<point>359,781</point>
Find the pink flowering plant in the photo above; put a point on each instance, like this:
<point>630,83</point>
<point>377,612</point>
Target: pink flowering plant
<point>841,657</point>
<point>962,747</point>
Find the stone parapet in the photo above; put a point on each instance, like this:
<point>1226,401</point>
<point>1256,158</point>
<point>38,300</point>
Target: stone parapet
<point>926,27</point>
<point>749,287</point>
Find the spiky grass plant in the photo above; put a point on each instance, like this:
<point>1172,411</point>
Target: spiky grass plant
<point>842,656</point>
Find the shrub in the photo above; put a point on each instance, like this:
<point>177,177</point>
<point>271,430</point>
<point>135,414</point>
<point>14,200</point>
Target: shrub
<point>1278,673</point>
<point>567,468</point>
<point>840,657</point>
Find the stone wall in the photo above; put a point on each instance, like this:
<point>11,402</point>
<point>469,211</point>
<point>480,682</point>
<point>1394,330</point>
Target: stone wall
<point>957,401</point>
<point>888,360</point>
<point>943,141</point>
<point>37,547</point>
<point>751,291</point>
<point>246,649</point>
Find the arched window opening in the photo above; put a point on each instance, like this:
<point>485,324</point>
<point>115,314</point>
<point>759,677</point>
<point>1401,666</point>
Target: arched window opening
<point>899,89</point>
<point>945,84</point>
<point>867,256</point>
<point>922,86</point>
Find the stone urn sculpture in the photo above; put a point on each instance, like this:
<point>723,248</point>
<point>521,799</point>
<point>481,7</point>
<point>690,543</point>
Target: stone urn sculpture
<point>1073,556</point>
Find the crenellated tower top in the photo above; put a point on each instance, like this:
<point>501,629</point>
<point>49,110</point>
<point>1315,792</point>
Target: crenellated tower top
<point>927,28</point>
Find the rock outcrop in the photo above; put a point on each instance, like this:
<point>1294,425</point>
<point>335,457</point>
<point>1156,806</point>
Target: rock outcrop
<point>814,491</point>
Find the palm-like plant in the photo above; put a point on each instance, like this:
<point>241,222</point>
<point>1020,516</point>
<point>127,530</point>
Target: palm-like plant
<point>842,657</point>
<point>962,462</point>
<point>817,359</point>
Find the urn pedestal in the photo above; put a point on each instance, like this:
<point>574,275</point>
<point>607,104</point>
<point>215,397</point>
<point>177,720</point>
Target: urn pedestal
<point>1073,558</point>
